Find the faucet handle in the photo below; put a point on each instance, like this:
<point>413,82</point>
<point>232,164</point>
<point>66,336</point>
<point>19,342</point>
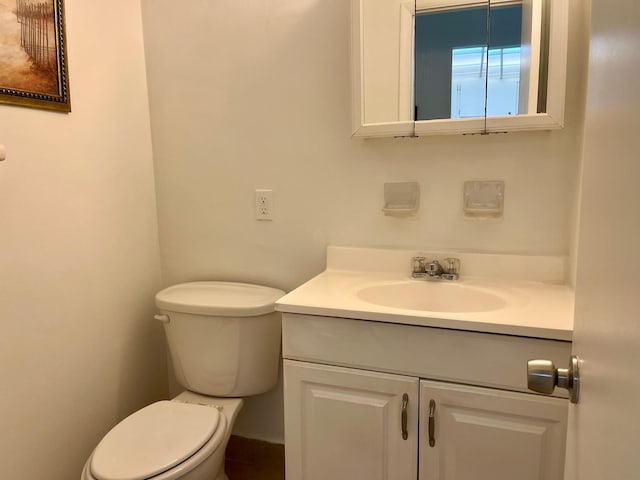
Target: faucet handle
<point>451,265</point>
<point>418,267</point>
<point>451,268</point>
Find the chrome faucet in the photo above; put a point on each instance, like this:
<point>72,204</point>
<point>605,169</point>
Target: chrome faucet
<point>433,270</point>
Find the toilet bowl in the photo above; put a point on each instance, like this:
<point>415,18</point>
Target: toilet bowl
<point>224,340</point>
<point>184,438</point>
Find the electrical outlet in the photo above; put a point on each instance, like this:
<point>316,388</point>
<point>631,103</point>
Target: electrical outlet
<point>264,204</point>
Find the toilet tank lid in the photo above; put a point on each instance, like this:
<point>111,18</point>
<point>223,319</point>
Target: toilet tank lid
<point>153,440</point>
<point>219,298</point>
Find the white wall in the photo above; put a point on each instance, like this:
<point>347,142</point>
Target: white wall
<point>79,260</point>
<point>248,95</point>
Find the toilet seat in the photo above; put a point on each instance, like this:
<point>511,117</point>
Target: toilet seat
<point>163,441</point>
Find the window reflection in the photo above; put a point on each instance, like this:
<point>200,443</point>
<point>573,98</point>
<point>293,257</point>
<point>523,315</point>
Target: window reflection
<point>468,70</point>
<point>451,62</point>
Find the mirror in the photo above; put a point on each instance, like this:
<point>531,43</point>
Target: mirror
<point>425,67</point>
<point>454,46</point>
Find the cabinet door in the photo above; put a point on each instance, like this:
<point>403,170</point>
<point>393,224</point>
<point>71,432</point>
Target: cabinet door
<point>485,434</point>
<point>346,424</point>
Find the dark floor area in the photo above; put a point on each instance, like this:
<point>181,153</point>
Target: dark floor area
<point>249,459</point>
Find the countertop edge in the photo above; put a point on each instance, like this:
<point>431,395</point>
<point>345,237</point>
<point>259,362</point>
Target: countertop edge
<point>563,335</point>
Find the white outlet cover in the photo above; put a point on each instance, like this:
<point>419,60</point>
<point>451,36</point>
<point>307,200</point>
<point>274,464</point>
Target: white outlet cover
<point>264,204</point>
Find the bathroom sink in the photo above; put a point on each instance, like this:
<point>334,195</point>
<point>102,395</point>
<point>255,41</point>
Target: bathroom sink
<point>436,296</point>
<point>503,294</point>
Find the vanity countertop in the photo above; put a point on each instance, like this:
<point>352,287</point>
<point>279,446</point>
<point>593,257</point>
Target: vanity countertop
<point>527,308</point>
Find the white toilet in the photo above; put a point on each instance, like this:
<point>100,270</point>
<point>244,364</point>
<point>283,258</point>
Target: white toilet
<point>224,340</point>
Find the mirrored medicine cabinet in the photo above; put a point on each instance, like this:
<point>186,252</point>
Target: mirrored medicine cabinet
<point>434,67</point>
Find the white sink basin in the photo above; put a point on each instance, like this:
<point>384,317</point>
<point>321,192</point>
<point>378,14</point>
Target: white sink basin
<point>506,294</point>
<point>436,296</point>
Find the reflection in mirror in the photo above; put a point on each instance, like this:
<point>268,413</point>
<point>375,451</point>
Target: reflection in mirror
<point>453,48</point>
<point>450,48</point>
<point>523,64</point>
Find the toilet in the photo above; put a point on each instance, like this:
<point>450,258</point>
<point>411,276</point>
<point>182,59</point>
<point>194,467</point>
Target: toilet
<point>224,342</point>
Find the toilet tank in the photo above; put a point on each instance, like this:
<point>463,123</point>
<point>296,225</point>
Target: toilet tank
<point>223,337</point>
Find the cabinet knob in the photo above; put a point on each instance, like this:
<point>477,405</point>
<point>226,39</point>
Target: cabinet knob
<point>543,377</point>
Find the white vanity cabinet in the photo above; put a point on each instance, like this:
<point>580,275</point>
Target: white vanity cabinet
<point>345,383</point>
<point>486,434</point>
<point>345,424</point>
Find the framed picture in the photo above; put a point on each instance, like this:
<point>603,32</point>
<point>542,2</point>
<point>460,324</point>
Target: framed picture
<point>33,54</point>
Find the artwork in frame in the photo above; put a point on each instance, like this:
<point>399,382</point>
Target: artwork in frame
<point>33,56</point>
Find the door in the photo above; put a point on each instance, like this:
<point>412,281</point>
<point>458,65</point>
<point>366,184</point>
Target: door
<point>604,427</point>
<point>472,433</point>
<point>346,424</point>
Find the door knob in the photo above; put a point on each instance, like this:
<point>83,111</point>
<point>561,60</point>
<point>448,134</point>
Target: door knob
<point>544,377</point>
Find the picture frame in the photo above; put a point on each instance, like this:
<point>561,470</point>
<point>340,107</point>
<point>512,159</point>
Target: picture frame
<point>33,55</point>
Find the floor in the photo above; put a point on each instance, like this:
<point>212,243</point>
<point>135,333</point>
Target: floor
<point>249,459</point>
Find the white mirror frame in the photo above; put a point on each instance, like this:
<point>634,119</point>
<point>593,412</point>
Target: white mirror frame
<point>553,119</point>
